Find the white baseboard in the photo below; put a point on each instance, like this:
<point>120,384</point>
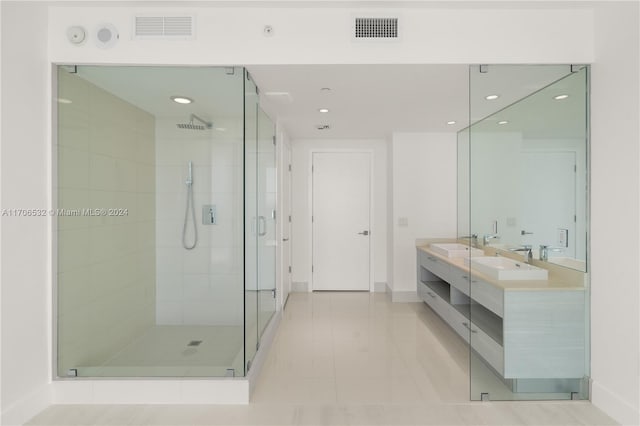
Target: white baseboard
<point>380,287</point>
<point>300,287</point>
<point>405,296</point>
<point>614,406</point>
<point>151,391</point>
<point>389,293</point>
<point>23,410</point>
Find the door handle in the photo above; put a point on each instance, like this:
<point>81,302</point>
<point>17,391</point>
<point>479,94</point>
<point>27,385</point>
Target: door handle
<point>285,239</point>
<point>363,233</point>
<point>262,226</point>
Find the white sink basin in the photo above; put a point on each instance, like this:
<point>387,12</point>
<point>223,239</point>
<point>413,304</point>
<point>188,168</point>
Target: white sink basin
<point>502,268</point>
<point>455,250</point>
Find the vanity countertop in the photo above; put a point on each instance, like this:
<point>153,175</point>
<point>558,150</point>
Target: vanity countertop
<point>558,279</point>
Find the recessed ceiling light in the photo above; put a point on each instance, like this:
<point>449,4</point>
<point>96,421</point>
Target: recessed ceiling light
<point>451,122</point>
<point>325,89</point>
<point>323,110</point>
<point>64,101</point>
<point>323,127</point>
<point>491,97</point>
<point>503,122</point>
<point>181,99</point>
<point>560,97</point>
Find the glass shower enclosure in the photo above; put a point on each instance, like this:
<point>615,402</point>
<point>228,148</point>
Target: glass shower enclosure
<point>164,191</point>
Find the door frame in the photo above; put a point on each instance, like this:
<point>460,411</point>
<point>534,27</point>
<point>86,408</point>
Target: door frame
<point>372,227</point>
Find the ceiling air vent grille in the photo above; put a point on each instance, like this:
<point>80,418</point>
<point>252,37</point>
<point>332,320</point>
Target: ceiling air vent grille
<point>376,28</point>
<point>166,27</point>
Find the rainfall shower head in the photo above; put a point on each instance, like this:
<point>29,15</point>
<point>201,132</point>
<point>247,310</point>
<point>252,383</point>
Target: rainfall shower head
<point>192,126</point>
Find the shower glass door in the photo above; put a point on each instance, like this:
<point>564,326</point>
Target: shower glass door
<point>528,297</point>
<point>260,213</point>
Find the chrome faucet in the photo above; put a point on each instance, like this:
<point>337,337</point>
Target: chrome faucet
<point>544,251</point>
<point>527,249</point>
<point>473,238</point>
<point>486,238</point>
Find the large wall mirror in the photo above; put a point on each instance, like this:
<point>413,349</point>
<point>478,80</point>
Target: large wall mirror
<point>523,163</point>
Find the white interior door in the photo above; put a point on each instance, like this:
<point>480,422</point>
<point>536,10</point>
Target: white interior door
<point>341,221</point>
<point>286,223</point>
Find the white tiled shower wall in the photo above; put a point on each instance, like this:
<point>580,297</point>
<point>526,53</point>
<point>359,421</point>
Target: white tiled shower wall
<point>106,264</point>
<point>202,286</point>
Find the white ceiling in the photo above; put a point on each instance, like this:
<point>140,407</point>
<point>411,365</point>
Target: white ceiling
<point>373,101</point>
<point>365,101</point>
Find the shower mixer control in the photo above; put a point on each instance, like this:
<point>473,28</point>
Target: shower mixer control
<point>209,214</point>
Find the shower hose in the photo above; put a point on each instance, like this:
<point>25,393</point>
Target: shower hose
<point>189,206</point>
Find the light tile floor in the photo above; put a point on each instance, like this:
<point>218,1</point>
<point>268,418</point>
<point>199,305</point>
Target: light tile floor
<point>351,359</point>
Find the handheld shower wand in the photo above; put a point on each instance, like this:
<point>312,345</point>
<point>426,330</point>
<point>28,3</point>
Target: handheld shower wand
<point>189,181</point>
<point>190,202</point>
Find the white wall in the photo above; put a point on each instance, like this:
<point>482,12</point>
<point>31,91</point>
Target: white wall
<point>615,186</point>
<point>234,36</point>
<point>424,193</point>
<point>26,241</point>
<point>312,35</point>
<point>301,214</point>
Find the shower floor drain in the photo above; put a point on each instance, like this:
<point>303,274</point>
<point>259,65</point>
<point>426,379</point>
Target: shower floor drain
<point>195,343</point>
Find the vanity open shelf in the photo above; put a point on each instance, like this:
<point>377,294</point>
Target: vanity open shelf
<point>523,330</point>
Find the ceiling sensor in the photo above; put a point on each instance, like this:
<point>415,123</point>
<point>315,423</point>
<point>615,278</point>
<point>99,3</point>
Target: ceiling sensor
<point>323,127</point>
<point>76,34</point>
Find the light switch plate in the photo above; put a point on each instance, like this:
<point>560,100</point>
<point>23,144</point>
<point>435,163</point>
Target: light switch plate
<point>563,237</point>
<point>403,221</point>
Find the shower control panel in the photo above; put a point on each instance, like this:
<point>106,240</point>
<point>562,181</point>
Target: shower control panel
<point>209,214</point>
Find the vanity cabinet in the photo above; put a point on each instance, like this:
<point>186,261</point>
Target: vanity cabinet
<point>522,333</point>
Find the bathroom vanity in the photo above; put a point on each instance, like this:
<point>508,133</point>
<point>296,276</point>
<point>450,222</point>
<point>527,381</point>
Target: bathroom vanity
<point>525,329</point>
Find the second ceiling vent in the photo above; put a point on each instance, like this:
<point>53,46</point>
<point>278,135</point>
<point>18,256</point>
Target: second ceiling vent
<point>164,27</point>
<point>376,28</point>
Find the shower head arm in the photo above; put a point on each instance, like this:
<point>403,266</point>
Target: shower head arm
<point>206,123</point>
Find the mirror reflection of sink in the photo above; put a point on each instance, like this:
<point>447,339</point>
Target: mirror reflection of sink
<point>502,268</point>
<point>455,250</point>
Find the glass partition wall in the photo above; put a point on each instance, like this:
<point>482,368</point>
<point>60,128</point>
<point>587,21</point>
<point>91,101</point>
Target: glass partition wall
<point>523,197</point>
<point>158,187</point>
